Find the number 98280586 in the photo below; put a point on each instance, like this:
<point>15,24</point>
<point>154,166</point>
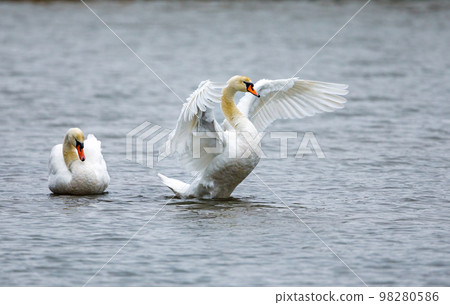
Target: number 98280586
<point>409,296</point>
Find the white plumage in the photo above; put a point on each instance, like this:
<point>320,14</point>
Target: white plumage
<point>197,115</point>
<point>290,99</point>
<point>76,177</point>
<point>219,171</point>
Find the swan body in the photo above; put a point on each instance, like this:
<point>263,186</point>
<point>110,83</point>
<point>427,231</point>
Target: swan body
<point>77,167</point>
<point>237,152</point>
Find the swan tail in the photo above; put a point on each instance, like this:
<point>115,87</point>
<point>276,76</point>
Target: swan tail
<point>178,187</point>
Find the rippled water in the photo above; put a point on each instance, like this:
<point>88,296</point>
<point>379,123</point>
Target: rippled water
<point>379,199</point>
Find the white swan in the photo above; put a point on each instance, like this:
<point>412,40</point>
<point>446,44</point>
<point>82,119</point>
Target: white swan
<point>76,167</point>
<point>221,170</point>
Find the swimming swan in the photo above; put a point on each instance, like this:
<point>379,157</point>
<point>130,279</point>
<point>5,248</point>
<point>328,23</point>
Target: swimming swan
<point>76,167</point>
<point>222,156</point>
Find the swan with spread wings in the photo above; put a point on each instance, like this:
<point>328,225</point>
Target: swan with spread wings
<point>223,155</point>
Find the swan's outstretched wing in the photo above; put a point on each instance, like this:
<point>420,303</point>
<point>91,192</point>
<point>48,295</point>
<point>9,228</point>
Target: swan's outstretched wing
<point>289,99</point>
<point>197,125</point>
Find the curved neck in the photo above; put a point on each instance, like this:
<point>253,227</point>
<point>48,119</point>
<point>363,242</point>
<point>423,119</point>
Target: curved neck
<point>69,152</point>
<point>229,108</point>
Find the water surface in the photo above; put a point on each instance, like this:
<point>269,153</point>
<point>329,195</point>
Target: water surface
<point>379,199</point>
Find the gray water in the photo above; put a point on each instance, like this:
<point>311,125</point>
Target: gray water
<point>379,200</point>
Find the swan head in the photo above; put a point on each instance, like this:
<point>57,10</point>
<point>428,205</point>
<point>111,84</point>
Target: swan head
<point>243,84</point>
<point>75,137</point>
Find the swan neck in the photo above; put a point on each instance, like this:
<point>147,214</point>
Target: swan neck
<point>69,152</point>
<point>229,108</point>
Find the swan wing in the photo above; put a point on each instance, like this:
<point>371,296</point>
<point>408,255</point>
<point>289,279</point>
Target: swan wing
<point>289,99</point>
<point>59,176</point>
<point>197,125</point>
<point>95,161</point>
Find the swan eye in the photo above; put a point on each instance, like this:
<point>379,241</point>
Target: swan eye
<point>78,143</point>
<point>248,84</point>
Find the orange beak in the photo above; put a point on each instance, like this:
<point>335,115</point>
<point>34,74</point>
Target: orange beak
<point>80,153</point>
<point>251,89</point>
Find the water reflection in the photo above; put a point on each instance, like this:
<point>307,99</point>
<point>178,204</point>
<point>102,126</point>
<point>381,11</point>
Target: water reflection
<point>247,203</point>
<point>71,202</point>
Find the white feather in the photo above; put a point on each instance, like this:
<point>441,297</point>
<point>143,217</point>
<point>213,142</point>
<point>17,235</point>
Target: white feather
<point>197,115</point>
<point>83,178</point>
<point>289,99</point>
